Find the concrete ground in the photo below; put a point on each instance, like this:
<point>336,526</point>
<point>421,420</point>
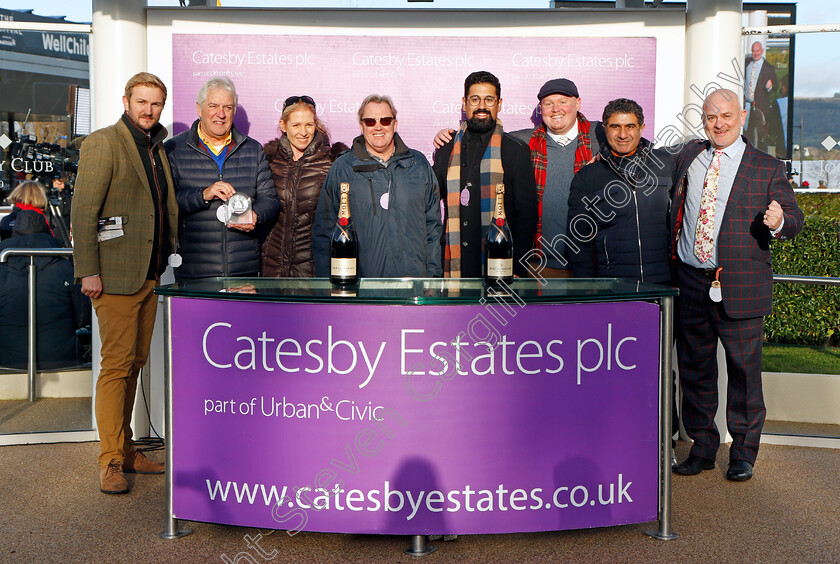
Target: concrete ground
<point>51,510</point>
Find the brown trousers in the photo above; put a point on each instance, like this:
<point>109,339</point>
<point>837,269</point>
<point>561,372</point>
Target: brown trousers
<point>125,329</point>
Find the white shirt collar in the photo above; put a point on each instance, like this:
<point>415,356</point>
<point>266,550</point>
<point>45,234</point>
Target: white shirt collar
<point>734,150</point>
<point>564,140</point>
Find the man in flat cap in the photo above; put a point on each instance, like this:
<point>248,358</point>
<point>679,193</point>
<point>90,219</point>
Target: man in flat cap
<point>563,143</point>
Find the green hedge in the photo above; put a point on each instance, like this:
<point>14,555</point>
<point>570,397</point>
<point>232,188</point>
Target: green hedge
<point>808,315</point>
<point>820,205</point>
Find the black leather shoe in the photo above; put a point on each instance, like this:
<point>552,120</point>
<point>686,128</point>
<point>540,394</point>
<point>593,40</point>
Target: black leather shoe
<point>693,465</point>
<point>739,471</point>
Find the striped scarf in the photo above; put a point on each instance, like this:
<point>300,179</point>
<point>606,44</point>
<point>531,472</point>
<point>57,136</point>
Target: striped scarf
<point>490,173</point>
<point>539,158</point>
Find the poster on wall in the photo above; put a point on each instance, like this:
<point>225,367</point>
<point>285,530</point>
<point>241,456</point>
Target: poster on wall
<point>768,83</point>
<point>423,75</point>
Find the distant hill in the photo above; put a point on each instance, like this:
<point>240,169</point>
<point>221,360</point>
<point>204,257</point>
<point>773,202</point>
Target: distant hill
<point>822,118</point>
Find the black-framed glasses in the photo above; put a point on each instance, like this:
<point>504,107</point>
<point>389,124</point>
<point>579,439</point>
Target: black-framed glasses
<point>385,121</point>
<point>295,99</point>
<point>475,100</point>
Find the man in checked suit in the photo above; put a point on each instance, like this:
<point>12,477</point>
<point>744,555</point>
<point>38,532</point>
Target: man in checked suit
<point>124,221</point>
<point>730,200</point>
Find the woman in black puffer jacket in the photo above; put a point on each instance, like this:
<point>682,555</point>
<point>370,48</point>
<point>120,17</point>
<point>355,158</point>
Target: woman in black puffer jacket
<point>28,195</point>
<point>299,162</point>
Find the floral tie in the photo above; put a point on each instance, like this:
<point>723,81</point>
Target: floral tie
<point>753,77</point>
<point>704,236</point>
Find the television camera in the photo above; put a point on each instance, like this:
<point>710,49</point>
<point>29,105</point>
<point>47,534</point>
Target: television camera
<point>55,167</point>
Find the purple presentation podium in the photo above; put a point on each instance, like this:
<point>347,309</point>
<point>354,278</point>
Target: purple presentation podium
<point>418,406</point>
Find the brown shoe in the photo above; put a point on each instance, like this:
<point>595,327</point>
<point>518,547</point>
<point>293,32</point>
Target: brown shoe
<point>137,462</point>
<point>112,480</point>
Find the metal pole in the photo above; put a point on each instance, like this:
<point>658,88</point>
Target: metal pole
<point>42,26</point>
<point>790,29</point>
<point>810,280</point>
<point>32,361</point>
<point>172,531</point>
<point>5,254</point>
<point>801,145</point>
<point>418,546</point>
<point>666,325</point>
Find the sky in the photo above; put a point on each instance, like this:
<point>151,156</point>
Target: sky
<point>815,53</point>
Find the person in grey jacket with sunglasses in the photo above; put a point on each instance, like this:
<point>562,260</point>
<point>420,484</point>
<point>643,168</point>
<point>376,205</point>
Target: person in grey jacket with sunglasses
<point>394,201</point>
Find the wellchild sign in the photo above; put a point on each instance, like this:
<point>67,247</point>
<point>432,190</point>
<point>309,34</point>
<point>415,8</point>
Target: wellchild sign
<point>385,419</point>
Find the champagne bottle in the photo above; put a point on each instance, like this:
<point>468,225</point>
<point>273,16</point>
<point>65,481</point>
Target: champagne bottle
<point>344,246</point>
<point>498,244</point>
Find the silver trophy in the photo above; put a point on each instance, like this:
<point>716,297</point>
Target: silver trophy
<point>238,210</point>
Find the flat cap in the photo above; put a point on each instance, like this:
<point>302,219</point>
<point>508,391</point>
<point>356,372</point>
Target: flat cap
<point>562,86</point>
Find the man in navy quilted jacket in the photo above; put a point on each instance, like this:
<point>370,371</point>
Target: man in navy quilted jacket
<point>211,163</point>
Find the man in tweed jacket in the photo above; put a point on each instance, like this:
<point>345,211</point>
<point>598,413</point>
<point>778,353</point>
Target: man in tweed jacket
<point>124,221</point>
<point>753,202</point>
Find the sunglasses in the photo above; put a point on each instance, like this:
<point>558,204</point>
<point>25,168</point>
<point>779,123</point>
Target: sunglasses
<point>371,122</point>
<point>295,99</point>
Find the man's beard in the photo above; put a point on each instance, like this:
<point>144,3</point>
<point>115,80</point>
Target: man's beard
<point>481,125</point>
<point>136,122</point>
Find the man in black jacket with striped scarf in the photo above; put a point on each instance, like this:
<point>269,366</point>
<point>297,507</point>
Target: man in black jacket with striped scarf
<point>468,167</point>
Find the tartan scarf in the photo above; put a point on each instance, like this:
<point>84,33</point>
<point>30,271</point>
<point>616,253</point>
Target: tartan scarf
<point>539,158</point>
<point>490,174</point>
